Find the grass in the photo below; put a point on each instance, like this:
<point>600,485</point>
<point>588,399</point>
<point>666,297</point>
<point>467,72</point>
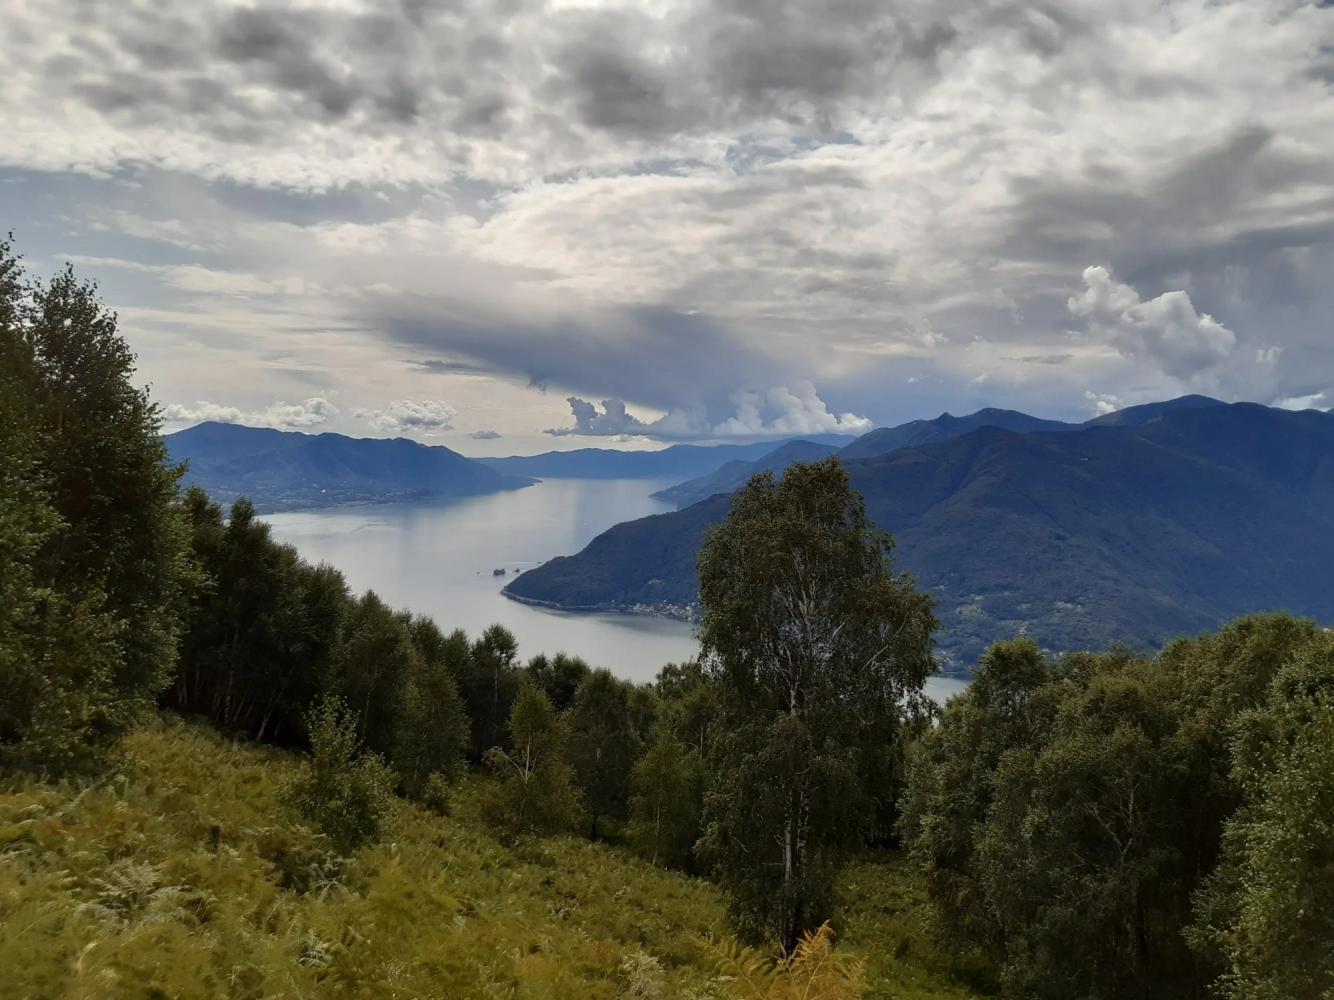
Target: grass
<point>181,874</point>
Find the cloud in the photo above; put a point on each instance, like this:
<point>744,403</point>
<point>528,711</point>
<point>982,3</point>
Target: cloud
<point>201,412</point>
<point>1166,329</point>
<point>657,203</point>
<point>486,435</point>
<point>611,421</point>
<point>308,413</point>
<point>1311,401</point>
<point>774,412</point>
<point>783,411</point>
<point>1104,403</point>
<point>425,416</point>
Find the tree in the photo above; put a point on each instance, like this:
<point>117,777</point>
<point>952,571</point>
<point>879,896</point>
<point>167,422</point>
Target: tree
<point>262,629</point>
<point>106,465</point>
<point>1066,815</point>
<point>666,802</point>
<point>951,778</point>
<point>815,644</point>
<point>342,790</point>
<point>372,663</point>
<point>688,702</point>
<point>58,651</point>
<point>432,732</point>
<point>535,791</point>
<point>559,676</point>
<point>1265,912</point>
<point>604,745</point>
<point>489,687</point>
<point>93,555</point>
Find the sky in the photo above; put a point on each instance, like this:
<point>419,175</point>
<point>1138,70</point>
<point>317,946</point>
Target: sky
<point>508,226</point>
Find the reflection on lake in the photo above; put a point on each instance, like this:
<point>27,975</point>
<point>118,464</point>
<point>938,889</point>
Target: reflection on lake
<point>437,559</point>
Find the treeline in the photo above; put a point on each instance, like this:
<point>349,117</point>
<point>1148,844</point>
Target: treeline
<point>272,642</point>
<point>1095,825</point>
<point>1117,826</point>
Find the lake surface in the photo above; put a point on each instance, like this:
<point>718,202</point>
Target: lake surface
<point>437,559</point>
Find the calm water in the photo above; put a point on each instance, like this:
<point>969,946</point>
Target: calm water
<point>437,559</point>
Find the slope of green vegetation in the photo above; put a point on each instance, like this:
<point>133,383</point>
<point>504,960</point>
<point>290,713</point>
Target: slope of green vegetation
<point>182,873</point>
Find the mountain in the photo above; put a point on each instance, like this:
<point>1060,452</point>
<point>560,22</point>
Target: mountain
<point>733,475</point>
<point>679,461</point>
<point>283,470</point>
<point>1152,411</point>
<point>946,426</point>
<point>1132,532</point>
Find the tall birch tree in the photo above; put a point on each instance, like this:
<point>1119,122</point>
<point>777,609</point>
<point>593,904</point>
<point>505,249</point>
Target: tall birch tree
<point>819,649</point>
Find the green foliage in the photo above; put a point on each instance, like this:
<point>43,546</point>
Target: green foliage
<point>558,676</point>
<point>535,791</point>
<point>262,630</point>
<point>1066,816</point>
<point>210,895</point>
<point>1266,910</point>
<point>432,727</point>
<point>94,567</point>
<point>341,790</point>
<point>803,619</point>
<point>488,687</point>
<point>605,742</point>
<point>812,970</point>
<point>667,801</point>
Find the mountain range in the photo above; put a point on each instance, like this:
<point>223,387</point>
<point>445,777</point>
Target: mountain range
<point>285,470</point>
<point>735,474</point>
<point>1136,527</point>
<point>682,461</point>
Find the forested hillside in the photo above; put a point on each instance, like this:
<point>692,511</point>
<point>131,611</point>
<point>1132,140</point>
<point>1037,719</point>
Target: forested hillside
<point>279,470</point>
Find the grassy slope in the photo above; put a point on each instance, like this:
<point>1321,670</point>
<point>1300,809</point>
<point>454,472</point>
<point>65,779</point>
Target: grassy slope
<point>181,877</point>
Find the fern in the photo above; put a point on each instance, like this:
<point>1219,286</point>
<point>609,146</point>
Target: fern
<point>812,971</point>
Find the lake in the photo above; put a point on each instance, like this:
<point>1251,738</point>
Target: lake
<point>437,559</point>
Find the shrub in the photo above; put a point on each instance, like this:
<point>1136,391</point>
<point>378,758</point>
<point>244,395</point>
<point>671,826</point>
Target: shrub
<point>344,792</point>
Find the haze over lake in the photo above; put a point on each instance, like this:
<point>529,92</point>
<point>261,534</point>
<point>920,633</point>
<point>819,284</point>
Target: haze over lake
<point>437,559</point>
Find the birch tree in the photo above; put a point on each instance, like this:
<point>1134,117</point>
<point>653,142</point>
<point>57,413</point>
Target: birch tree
<point>817,647</point>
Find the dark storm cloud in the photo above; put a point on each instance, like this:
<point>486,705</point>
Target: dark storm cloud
<point>693,361</point>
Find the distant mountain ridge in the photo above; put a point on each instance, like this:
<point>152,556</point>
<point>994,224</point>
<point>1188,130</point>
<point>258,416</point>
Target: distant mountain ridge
<point>735,474</point>
<point>945,427</point>
<point>683,461</point>
<point>1138,530</point>
<point>283,470</point>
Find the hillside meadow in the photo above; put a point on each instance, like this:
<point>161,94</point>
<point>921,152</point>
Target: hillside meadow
<point>181,873</point>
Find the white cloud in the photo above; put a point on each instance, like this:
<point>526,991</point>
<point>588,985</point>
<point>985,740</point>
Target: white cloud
<point>1103,403</point>
<point>1311,401</point>
<point>311,412</point>
<point>485,435</point>
<point>427,416</point>
<point>308,413</point>
<point>201,412</point>
<point>1168,329</point>
<point>784,411</point>
<point>776,412</point>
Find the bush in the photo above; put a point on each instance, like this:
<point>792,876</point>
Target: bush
<point>344,792</point>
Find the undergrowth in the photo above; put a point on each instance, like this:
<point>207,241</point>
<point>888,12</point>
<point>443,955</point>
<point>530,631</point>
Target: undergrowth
<point>184,874</point>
